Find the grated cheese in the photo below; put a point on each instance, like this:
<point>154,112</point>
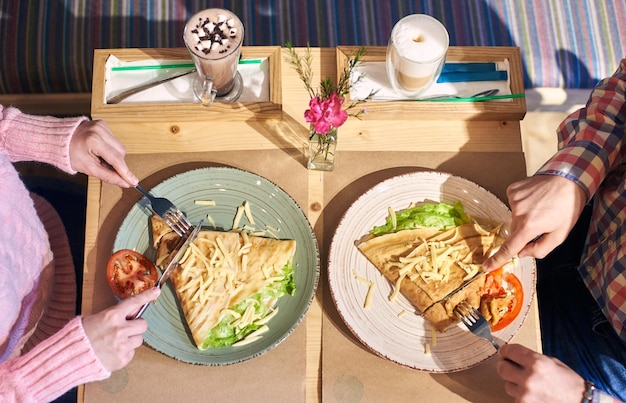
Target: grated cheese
<point>267,271</point>
<point>394,219</point>
<point>271,232</point>
<point>224,252</point>
<point>246,340</point>
<point>483,231</point>
<point>246,209</point>
<point>208,270</point>
<point>244,263</point>
<point>252,337</point>
<point>267,318</point>
<point>396,289</point>
<point>368,296</point>
<point>204,202</point>
<point>230,312</point>
<point>245,248</point>
<point>238,216</point>
<point>370,290</point>
<point>211,220</point>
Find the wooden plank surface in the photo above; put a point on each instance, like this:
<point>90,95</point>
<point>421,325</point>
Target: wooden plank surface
<point>174,132</point>
<point>193,130</point>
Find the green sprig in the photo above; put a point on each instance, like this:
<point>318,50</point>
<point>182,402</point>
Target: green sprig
<point>302,65</point>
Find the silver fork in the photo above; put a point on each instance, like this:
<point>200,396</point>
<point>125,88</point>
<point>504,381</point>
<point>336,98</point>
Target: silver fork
<point>474,321</point>
<point>167,211</point>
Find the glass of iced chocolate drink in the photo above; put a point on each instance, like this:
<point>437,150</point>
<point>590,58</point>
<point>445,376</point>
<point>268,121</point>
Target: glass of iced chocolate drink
<point>416,54</point>
<point>213,38</point>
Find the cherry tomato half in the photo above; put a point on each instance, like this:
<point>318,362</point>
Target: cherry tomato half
<point>130,273</point>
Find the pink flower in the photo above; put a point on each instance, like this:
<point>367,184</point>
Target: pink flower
<point>325,114</point>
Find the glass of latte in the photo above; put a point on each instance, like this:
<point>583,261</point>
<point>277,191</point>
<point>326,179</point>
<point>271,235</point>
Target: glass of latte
<point>416,54</point>
<point>214,38</point>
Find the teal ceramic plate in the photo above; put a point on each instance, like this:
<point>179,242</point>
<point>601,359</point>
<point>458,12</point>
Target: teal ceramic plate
<point>271,206</point>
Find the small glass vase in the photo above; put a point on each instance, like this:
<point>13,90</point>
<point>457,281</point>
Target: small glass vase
<point>322,149</point>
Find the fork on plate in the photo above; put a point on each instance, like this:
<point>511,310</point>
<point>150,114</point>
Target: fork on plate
<point>475,322</point>
<point>167,211</point>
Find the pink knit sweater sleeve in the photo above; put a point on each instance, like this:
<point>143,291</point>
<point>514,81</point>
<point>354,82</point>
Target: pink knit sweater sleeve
<point>46,139</point>
<point>57,355</point>
<point>64,360</point>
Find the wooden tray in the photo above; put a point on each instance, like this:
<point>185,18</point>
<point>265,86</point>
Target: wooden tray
<point>218,110</point>
<point>486,110</point>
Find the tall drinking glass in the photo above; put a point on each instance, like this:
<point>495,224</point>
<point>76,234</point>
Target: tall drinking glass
<point>416,54</point>
<point>214,38</point>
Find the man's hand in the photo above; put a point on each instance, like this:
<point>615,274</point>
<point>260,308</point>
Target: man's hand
<point>532,377</point>
<point>96,152</point>
<point>544,209</point>
<point>113,336</point>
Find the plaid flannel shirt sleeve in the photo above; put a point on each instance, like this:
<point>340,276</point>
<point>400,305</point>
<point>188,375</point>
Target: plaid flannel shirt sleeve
<point>591,139</point>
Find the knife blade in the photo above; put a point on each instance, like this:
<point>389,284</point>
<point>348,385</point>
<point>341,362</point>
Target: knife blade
<point>456,290</point>
<point>179,254</point>
<point>173,263</point>
<point>465,284</point>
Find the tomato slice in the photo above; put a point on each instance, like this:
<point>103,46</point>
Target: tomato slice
<point>130,273</point>
<point>493,284</point>
<point>515,286</point>
<point>494,288</point>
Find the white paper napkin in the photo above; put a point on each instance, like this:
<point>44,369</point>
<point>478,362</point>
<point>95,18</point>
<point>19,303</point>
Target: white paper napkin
<point>255,82</point>
<point>373,76</point>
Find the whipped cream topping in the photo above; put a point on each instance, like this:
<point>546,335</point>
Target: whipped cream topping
<point>215,36</point>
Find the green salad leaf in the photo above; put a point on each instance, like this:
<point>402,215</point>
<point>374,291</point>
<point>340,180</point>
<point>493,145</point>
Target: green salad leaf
<point>439,215</point>
<point>227,333</point>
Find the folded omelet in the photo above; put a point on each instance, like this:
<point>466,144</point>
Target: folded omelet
<point>433,269</point>
<point>227,283</point>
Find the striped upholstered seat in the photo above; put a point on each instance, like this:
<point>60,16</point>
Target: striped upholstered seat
<point>46,46</point>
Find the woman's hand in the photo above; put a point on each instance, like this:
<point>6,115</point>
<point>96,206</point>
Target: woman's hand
<point>96,152</point>
<point>532,377</point>
<point>544,209</point>
<point>113,336</point>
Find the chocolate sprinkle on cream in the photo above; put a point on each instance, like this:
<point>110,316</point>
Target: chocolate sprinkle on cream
<point>214,36</point>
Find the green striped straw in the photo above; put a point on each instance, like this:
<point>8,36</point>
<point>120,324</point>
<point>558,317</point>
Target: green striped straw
<point>175,66</point>
<point>472,99</point>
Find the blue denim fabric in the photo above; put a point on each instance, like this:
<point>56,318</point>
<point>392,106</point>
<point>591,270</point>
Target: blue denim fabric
<point>573,328</point>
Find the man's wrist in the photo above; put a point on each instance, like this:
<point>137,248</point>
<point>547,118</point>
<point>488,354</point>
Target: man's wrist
<point>590,394</point>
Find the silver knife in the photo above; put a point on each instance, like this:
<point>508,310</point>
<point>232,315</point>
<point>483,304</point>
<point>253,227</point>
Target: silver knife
<point>173,263</point>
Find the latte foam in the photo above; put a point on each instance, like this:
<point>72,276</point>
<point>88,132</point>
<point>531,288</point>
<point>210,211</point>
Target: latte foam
<point>416,53</point>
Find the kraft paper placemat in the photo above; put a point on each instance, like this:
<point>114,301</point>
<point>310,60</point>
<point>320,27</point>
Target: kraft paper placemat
<point>350,371</point>
<point>278,375</point>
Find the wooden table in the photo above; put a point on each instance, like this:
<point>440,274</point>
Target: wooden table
<point>271,141</point>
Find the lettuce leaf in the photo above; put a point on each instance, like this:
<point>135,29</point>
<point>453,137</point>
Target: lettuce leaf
<point>439,215</point>
<point>226,333</point>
